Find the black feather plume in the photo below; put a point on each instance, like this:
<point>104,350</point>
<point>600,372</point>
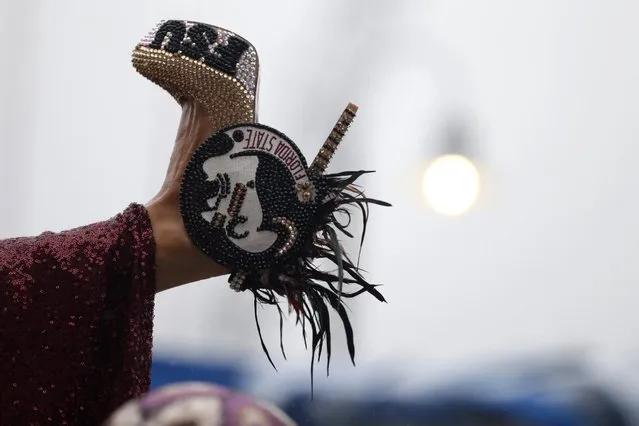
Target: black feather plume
<point>310,291</point>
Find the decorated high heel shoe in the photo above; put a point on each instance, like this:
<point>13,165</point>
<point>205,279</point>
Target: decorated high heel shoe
<point>249,199</point>
<point>211,65</point>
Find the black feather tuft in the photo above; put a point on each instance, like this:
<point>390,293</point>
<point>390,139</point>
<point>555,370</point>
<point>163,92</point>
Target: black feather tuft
<point>309,290</point>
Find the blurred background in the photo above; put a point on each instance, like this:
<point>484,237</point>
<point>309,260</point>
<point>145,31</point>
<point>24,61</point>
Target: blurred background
<point>504,132</point>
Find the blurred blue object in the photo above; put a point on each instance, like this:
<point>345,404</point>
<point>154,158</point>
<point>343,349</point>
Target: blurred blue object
<point>552,396</point>
<point>167,371</point>
<point>443,413</point>
<point>448,411</point>
<point>556,395</point>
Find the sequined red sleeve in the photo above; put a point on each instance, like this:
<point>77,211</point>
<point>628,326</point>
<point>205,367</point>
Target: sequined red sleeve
<point>76,318</point>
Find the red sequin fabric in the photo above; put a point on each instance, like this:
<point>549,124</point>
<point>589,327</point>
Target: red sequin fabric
<point>76,320</point>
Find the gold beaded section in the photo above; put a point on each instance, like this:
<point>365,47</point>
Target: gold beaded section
<point>237,199</point>
<point>288,227</point>
<point>327,150</point>
<point>225,98</point>
<point>218,220</point>
<point>305,191</point>
<point>238,280</point>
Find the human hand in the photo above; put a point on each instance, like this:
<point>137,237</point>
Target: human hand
<point>178,261</point>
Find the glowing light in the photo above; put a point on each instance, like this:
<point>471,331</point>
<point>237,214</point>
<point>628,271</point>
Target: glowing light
<point>451,184</point>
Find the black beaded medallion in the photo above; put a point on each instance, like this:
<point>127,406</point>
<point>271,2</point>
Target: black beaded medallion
<point>251,203</point>
<point>247,197</point>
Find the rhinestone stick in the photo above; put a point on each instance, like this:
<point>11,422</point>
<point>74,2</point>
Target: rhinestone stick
<point>332,142</point>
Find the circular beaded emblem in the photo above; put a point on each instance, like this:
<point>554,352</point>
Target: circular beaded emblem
<point>247,198</point>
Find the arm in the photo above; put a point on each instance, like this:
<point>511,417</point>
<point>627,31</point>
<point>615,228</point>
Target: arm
<point>76,307</point>
<point>76,318</point>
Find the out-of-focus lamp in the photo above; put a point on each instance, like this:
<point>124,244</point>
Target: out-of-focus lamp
<point>451,182</point>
